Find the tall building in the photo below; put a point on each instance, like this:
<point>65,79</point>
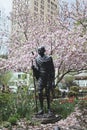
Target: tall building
<point>40,8</point>
<point>26,12</point>
<point>4,31</point>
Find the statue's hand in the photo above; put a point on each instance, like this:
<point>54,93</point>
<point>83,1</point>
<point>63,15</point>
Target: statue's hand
<point>53,84</point>
<point>32,67</point>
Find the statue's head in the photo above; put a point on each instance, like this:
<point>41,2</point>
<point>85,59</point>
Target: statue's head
<point>41,50</point>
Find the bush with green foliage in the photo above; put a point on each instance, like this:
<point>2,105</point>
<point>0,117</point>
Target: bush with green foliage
<point>5,106</point>
<point>6,124</point>
<point>69,80</point>
<point>21,104</point>
<point>5,77</point>
<point>25,104</point>
<point>82,104</point>
<point>74,91</point>
<point>57,92</point>
<point>13,120</point>
<point>74,88</point>
<point>63,108</point>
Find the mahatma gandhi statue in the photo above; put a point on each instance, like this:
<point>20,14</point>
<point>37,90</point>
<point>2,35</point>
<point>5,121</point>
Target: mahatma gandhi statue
<point>45,74</point>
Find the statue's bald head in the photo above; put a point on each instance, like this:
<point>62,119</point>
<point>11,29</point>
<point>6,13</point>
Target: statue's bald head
<point>41,50</point>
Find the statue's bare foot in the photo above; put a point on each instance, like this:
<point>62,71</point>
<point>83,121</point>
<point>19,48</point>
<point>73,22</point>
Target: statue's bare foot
<point>50,113</point>
<point>41,112</point>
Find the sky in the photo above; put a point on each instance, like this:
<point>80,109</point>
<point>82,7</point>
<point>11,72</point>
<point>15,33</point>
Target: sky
<point>7,5</point>
<point>70,1</point>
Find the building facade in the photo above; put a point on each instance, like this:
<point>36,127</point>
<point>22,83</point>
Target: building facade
<point>19,80</point>
<point>26,13</point>
<point>81,79</point>
<point>40,8</point>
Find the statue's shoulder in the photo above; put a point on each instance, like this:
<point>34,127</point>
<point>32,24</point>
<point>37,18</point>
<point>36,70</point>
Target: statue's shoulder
<point>47,56</point>
<point>50,57</point>
<point>37,58</point>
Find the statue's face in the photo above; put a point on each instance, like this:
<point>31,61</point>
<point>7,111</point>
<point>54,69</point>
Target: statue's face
<point>41,51</point>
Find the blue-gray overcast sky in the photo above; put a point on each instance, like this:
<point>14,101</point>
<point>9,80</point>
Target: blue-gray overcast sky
<point>70,1</point>
<point>6,5</point>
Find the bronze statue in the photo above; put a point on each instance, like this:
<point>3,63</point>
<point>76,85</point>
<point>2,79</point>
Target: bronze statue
<point>45,73</point>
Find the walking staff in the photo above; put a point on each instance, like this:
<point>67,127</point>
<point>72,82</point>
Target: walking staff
<point>34,88</point>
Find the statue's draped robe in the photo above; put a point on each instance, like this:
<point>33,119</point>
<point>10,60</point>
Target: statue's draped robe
<point>44,71</point>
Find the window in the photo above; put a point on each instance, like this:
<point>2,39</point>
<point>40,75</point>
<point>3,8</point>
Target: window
<point>19,76</point>
<point>42,1</point>
<point>48,1</point>
<point>42,12</point>
<point>48,15</point>
<point>42,7</point>
<point>35,16</point>
<point>51,17</point>
<point>53,5</point>
<point>25,76</point>
<point>35,8</point>
<point>48,10</point>
<point>52,12</point>
<point>42,17</point>
<point>35,3</point>
<point>48,5</point>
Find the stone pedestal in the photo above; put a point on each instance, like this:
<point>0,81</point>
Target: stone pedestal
<point>46,118</point>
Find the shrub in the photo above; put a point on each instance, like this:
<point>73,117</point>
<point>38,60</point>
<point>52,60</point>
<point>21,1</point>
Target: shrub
<point>6,124</point>
<point>83,104</point>
<point>57,92</point>
<point>20,103</point>
<point>24,102</point>
<point>5,108</point>
<point>74,88</point>
<point>69,80</point>
<point>13,120</point>
<point>62,108</point>
<point>72,93</point>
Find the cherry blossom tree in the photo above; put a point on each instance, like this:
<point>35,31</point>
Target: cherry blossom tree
<point>65,38</point>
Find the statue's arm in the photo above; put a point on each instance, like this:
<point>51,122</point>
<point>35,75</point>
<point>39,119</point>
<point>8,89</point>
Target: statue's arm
<point>52,69</point>
<point>36,70</point>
